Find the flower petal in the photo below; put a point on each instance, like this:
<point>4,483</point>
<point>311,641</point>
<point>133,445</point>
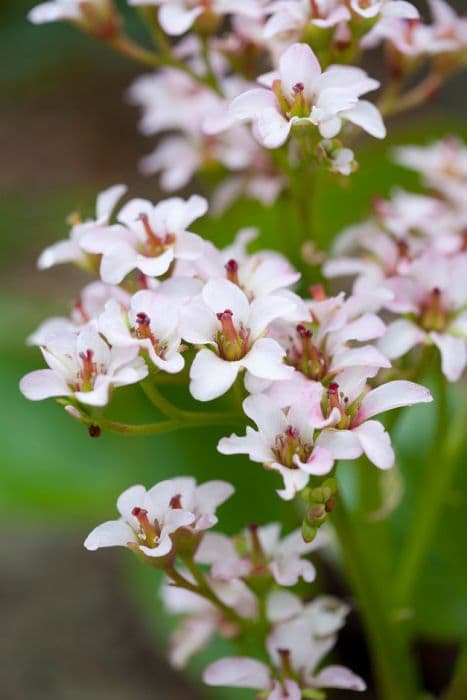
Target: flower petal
<point>43,384</point>
<point>113,533</point>
<point>376,443</point>
<point>338,677</point>
<point>238,672</point>
<point>392,395</point>
<point>211,376</point>
<point>453,354</point>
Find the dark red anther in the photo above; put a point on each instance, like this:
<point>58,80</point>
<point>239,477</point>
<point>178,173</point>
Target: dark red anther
<point>231,268</point>
<point>94,430</point>
<point>143,319</point>
<point>303,332</point>
<point>291,432</point>
<point>298,88</point>
<point>139,512</point>
<point>333,388</point>
<point>176,502</point>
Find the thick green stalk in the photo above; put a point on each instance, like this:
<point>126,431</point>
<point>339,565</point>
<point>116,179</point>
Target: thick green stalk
<point>433,488</point>
<point>391,659</point>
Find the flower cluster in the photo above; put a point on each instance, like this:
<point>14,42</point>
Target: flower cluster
<point>412,252</point>
<point>165,294</point>
<point>232,586</point>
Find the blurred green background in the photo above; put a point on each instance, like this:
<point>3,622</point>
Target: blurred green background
<point>77,626</point>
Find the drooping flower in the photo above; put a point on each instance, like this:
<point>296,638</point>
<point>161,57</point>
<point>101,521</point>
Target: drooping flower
<point>301,94</point>
<point>149,238</point>
<point>150,324</point>
<point>83,366</point>
<point>285,439</point>
<point>258,550</point>
<point>149,519</point>
<point>70,250</point>
<point>202,618</point>
<point>233,330</point>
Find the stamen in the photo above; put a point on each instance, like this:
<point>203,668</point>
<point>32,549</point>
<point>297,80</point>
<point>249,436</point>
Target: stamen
<point>231,268</point>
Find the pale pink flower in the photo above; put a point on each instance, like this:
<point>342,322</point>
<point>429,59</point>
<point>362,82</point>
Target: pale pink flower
<point>442,164</point>
<point>300,94</point>
<point>290,18</point>
<point>371,9</point>
<point>299,644</point>
<point>87,307</point>
<point>83,366</point>
<point>150,324</point>
<point>203,620</point>
<point>432,296</point>
<point>149,238</point>
<point>261,548</point>
<point>349,410</point>
<point>149,519</point>
<point>178,16</point>
<point>70,250</point>
<point>285,439</point>
<point>233,330</point>
<point>257,274</point>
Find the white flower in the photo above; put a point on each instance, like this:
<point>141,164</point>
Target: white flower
<point>369,9</point>
<point>149,238</point>
<point>149,519</point>
<point>284,440</point>
<point>87,307</point>
<point>177,16</point>
<point>298,644</point>
<point>433,296</point>
<point>350,432</point>
<point>257,549</point>
<point>151,324</point>
<point>291,17</point>
<point>83,366</point>
<point>233,329</point>
<point>299,94</point>
<point>203,619</point>
<point>70,250</point>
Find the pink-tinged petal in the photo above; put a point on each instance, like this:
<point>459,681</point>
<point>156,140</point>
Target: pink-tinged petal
<point>189,246</point>
<point>453,354</point>
<point>266,309</point>
<point>366,116</point>
<point>250,444</point>
<point>338,677</point>
<point>114,533</point>
<point>265,360</point>
<point>298,64</point>
<point>400,337</point>
<point>176,20</point>
<point>43,384</point>
<point>220,295</point>
<point>271,129</point>
<point>117,263</point>
<point>367,355</point>
<point>238,672</point>
<point>251,103</point>
<point>61,252</point>
<point>320,462</point>
<point>392,395</point>
<point>400,9</point>
<point>107,201</point>
<point>51,12</point>
<point>212,494</point>
<point>130,213</point>
<point>294,480</point>
<point>179,213</point>
<point>154,267</point>
<point>342,444</point>
<point>376,443</point>
<point>162,549</point>
<point>287,571</point>
<point>211,376</point>
<point>290,691</point>
<point>129,499</point>
<point>216,547</point>
<point>282,605</point>
<point>198,324</point>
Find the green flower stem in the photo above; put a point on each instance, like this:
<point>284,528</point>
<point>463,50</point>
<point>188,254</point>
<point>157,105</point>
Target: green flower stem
<point>187,420</point>
<point>159,401</point>
<point>392,665</point>
<point>128,48</point>
<point>433,489</point>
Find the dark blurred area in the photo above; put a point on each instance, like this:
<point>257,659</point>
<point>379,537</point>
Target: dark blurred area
<point>73,627</point>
